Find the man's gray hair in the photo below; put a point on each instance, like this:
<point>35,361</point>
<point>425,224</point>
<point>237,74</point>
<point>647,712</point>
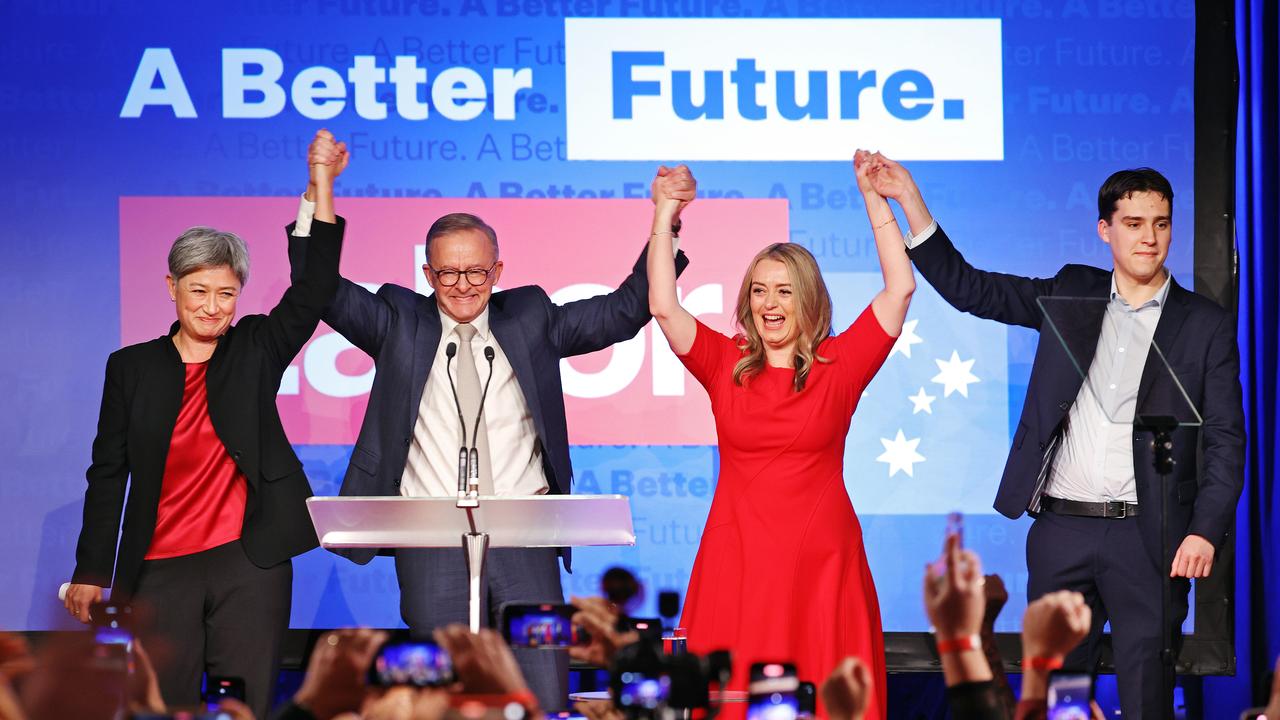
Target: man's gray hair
<point>203,247</point>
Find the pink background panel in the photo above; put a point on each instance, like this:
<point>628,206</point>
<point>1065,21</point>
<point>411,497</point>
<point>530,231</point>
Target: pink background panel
<point>551,243</point>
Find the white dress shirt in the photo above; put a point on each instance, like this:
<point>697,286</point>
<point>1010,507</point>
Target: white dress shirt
<point>432,466</point>
<point>1095,461</point>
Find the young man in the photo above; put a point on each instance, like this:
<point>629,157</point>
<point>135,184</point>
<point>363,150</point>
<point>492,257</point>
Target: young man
<point>1079,463</point>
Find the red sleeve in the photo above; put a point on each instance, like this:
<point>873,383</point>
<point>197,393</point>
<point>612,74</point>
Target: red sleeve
<point>711,355</point>
<point>861,349</point>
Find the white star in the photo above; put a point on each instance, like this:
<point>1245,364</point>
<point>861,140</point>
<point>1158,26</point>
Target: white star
<point>922,402</point>
<point>906,339</point>
<point>901,454</point>
<point>955,375</point>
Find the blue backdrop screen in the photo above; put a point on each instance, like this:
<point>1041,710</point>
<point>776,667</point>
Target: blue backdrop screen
<point>119,116</point>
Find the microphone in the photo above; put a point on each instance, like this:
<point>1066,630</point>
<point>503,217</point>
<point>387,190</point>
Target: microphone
<point>474,472</point>
<point>450,351</point>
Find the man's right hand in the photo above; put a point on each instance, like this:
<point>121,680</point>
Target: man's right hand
<point>326,159</point>
<point>78,599</point>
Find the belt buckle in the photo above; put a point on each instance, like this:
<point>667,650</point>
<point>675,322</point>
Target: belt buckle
<point>1124,510</point>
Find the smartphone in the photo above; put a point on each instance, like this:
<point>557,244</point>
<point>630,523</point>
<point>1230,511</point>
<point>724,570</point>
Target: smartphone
<point>642,690</point>
<point>649,628</point>
<point>112,624</point>
<point>416,663</point>
<point>546,625</point>
<point>773,692</point>
<point>1069,695</point>
<point>807,700</point>
<point>218,688</point>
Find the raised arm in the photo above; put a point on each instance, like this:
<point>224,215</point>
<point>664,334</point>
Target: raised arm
<point>1010,299</point>
<point>890,304</point>
<point>294,319</point>
<point>672,190</point>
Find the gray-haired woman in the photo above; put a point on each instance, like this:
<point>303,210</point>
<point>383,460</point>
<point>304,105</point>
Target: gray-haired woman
<point>216,496</point>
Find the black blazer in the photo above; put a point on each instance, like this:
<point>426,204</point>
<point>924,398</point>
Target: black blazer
<point>1199,340</point>
<point>400,330</point>
<point>140,404</point>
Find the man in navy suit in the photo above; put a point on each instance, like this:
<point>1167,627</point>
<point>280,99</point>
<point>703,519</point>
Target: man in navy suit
<point>408,443</point>
<point>1079,463</point>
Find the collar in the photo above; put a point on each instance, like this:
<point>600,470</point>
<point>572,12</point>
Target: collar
<point>480,323</point>
<point>1157,300</point>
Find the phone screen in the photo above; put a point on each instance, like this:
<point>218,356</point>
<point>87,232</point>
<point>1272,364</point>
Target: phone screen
<point>216,689</point>
<point>1069,695</point>
<point>772,693</point>
<point>641,690</point>
<point>541,626</point>
<point>421,664</point>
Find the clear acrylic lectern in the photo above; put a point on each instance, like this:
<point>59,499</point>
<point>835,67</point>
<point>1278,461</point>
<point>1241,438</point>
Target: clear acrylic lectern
<point>533,521</point>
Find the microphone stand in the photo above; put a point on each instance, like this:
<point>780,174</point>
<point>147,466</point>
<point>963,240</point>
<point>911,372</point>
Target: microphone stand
<point>1162,427</point>
<point>464,499</point>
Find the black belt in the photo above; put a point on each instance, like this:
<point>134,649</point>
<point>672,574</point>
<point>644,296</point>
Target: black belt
<point>1115,509</point>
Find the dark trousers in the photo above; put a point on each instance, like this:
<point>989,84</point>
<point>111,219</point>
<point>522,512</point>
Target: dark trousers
<point>1104,559</point>
<point>215,612</point>
<point>433,593</point>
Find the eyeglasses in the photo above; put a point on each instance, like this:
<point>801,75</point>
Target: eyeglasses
<point>475,276</point>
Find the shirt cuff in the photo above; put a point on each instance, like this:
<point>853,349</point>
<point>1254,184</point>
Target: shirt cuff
<point>306,213</point>
<point>913,241</point>
<point>675,245</point>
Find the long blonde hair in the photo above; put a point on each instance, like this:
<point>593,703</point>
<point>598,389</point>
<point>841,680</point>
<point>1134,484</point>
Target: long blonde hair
<point>812,313</point>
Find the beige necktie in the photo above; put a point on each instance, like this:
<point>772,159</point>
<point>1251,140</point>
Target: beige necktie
<point>469,399</point>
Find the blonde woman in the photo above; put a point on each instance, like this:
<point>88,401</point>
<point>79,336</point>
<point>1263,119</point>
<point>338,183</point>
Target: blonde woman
<point>781,574</point>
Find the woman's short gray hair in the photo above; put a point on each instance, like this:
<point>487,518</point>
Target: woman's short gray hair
<point>205,247</point>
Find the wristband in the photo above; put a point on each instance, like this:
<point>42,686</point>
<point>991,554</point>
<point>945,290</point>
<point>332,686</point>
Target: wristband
<point>1043,662</point>
<point>960,644</point>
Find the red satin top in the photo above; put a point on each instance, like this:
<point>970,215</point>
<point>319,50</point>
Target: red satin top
<point>202,495</point>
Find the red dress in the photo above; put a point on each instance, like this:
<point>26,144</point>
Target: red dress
<point>781,573</point>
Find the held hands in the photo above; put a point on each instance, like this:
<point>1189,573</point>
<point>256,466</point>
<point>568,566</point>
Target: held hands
<point>673,189</point>
<point>885,177</point>
<point>335,679</point>
<point>1055,624</point>
<point>1194,558</point>
<point>955,600</point>
<point>78,599</point>
<point>326,159</point>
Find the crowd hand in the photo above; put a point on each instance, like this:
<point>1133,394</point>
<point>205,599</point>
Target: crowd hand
<point>15,656</point>
<point>335,678</point>
<point>406,703</point>
<point>996,595</point>
<point>482,661</point>
<point>1055,624</point>
<point>845,692</point>
<point>72,679</point>
<point>598,710</point>
<point>326,159</point>
<point>1194,558</point>
<point>599,618</point>
<point>78,599</point>
<point>954,600</point>
<point>673,186</point>
<point>144,686</point>
<point>235,709</point>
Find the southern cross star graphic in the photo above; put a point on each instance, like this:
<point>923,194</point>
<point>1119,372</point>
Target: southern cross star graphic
<point>955,375</point>
<point>922,402</point>
<point>900,453</point>
<point>906,339</point>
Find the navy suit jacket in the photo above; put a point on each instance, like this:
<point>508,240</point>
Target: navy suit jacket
<point>1199,342</point>
<point>400,329</point>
